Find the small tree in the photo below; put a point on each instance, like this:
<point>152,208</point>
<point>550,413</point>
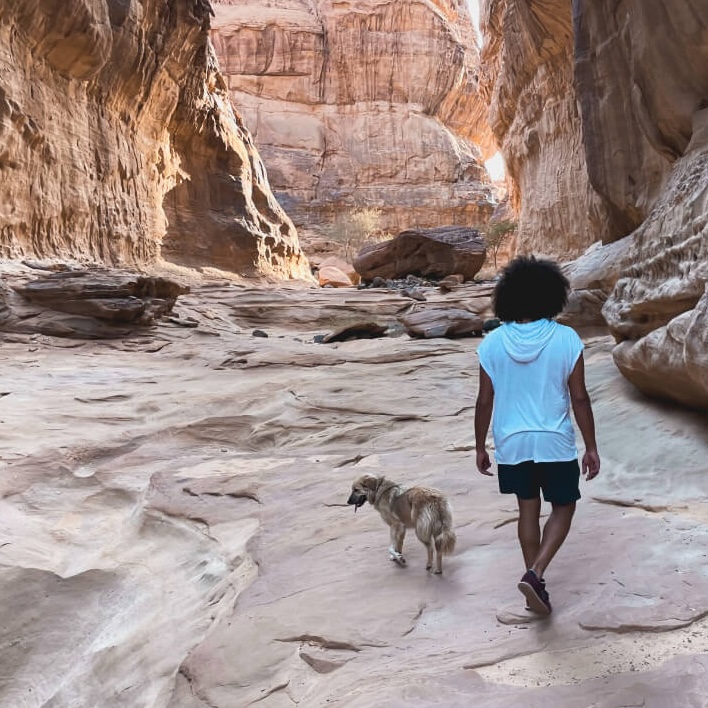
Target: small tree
<point>497,235</point>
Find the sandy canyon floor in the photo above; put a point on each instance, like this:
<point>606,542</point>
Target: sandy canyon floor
<point>174,528</point>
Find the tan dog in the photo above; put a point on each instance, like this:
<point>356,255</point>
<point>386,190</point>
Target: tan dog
<point>425,510</point>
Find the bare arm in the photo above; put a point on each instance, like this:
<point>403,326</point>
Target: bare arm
<point>582,409</point>
<point>482,418</point>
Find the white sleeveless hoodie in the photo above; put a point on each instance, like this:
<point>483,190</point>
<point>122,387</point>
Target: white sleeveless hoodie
<point>529,365</point>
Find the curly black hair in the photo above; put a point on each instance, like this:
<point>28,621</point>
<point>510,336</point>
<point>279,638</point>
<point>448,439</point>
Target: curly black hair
<point>530,289</point>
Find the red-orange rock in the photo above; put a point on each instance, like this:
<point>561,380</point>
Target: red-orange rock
<point>331,275</point>
<point>365,104</point>
<point>120,146</point>
<point>342,265</point>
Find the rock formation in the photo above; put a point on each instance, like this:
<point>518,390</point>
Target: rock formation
<point>118,143</point>
<point>85,304</point>
<point>637,121</point>
<point>527,80</point>
<point>372,103</point>
<point>436,253</point>
<point>647,148</point>
<point>600,145</point>
<point>659,307</point>
<point>592,278</point>
<point>434,322</point>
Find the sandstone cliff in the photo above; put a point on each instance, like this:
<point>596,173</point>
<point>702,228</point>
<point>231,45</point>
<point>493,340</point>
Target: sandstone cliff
<point>527,80</point>
<point>118,143</point>
<point>372,103</point>
<point>647,147</point>
<point>602,121</point>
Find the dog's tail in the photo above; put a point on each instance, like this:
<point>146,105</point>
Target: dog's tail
<point>445,540</point>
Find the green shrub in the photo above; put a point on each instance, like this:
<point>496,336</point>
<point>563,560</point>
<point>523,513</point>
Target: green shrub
<point>497,235</point>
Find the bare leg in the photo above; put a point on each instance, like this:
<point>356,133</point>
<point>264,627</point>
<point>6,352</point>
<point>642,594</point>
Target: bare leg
<point>529,530</point>
<point>554,533</point>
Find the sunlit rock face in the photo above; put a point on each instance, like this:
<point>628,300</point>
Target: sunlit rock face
<point>372,103</point>
<point>527,80</point>
<point>118,144</point>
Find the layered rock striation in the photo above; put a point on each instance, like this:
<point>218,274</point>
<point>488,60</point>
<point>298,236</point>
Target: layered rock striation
<point>646,139</point>
<point>118,143</point>
<point>366,104</point>
<point>527,78</point>
<point>603,121</point>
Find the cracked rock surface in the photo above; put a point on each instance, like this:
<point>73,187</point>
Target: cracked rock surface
<point>174,529</point>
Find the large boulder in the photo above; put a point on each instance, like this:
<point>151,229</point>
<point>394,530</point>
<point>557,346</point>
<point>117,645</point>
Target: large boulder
<point>436,253</point>
<point>334,277</point>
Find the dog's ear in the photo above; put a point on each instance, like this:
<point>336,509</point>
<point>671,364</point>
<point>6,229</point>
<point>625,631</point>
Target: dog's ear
<point>369,482</point>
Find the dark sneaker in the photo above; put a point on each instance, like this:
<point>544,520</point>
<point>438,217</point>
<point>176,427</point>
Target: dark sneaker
<point>534,590</point>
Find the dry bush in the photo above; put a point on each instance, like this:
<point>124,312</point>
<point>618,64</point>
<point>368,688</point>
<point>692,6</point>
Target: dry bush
<point>355,229</point>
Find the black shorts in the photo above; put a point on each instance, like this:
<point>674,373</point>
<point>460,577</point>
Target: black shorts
<point>558,480</point>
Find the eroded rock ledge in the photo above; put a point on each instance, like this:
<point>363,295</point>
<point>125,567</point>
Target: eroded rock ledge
<point>85,304</point>
<point>115,114</point>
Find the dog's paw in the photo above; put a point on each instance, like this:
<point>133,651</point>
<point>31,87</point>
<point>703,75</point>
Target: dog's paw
<point>396,557</point>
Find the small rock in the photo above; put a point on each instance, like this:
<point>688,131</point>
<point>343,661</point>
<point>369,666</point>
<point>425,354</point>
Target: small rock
<point>414,294</point>
<point>360,330</point>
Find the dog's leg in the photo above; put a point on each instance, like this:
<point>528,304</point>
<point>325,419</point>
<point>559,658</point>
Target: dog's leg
<point>429,546</point>
<point>438,556</point>
<point>425,536</point>
<point>398,533</point>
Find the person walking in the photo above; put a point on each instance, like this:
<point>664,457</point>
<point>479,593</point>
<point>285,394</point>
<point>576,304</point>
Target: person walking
<point>532,372</point>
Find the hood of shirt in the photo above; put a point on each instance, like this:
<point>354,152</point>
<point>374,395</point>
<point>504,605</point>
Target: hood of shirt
<point>523,342</point>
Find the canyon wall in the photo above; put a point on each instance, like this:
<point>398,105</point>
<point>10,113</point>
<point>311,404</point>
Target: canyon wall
<point>644,98</point>
<point>366,104</point>
<point>603,121</point>
<point>118,144</point>
<point>527,80</point>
